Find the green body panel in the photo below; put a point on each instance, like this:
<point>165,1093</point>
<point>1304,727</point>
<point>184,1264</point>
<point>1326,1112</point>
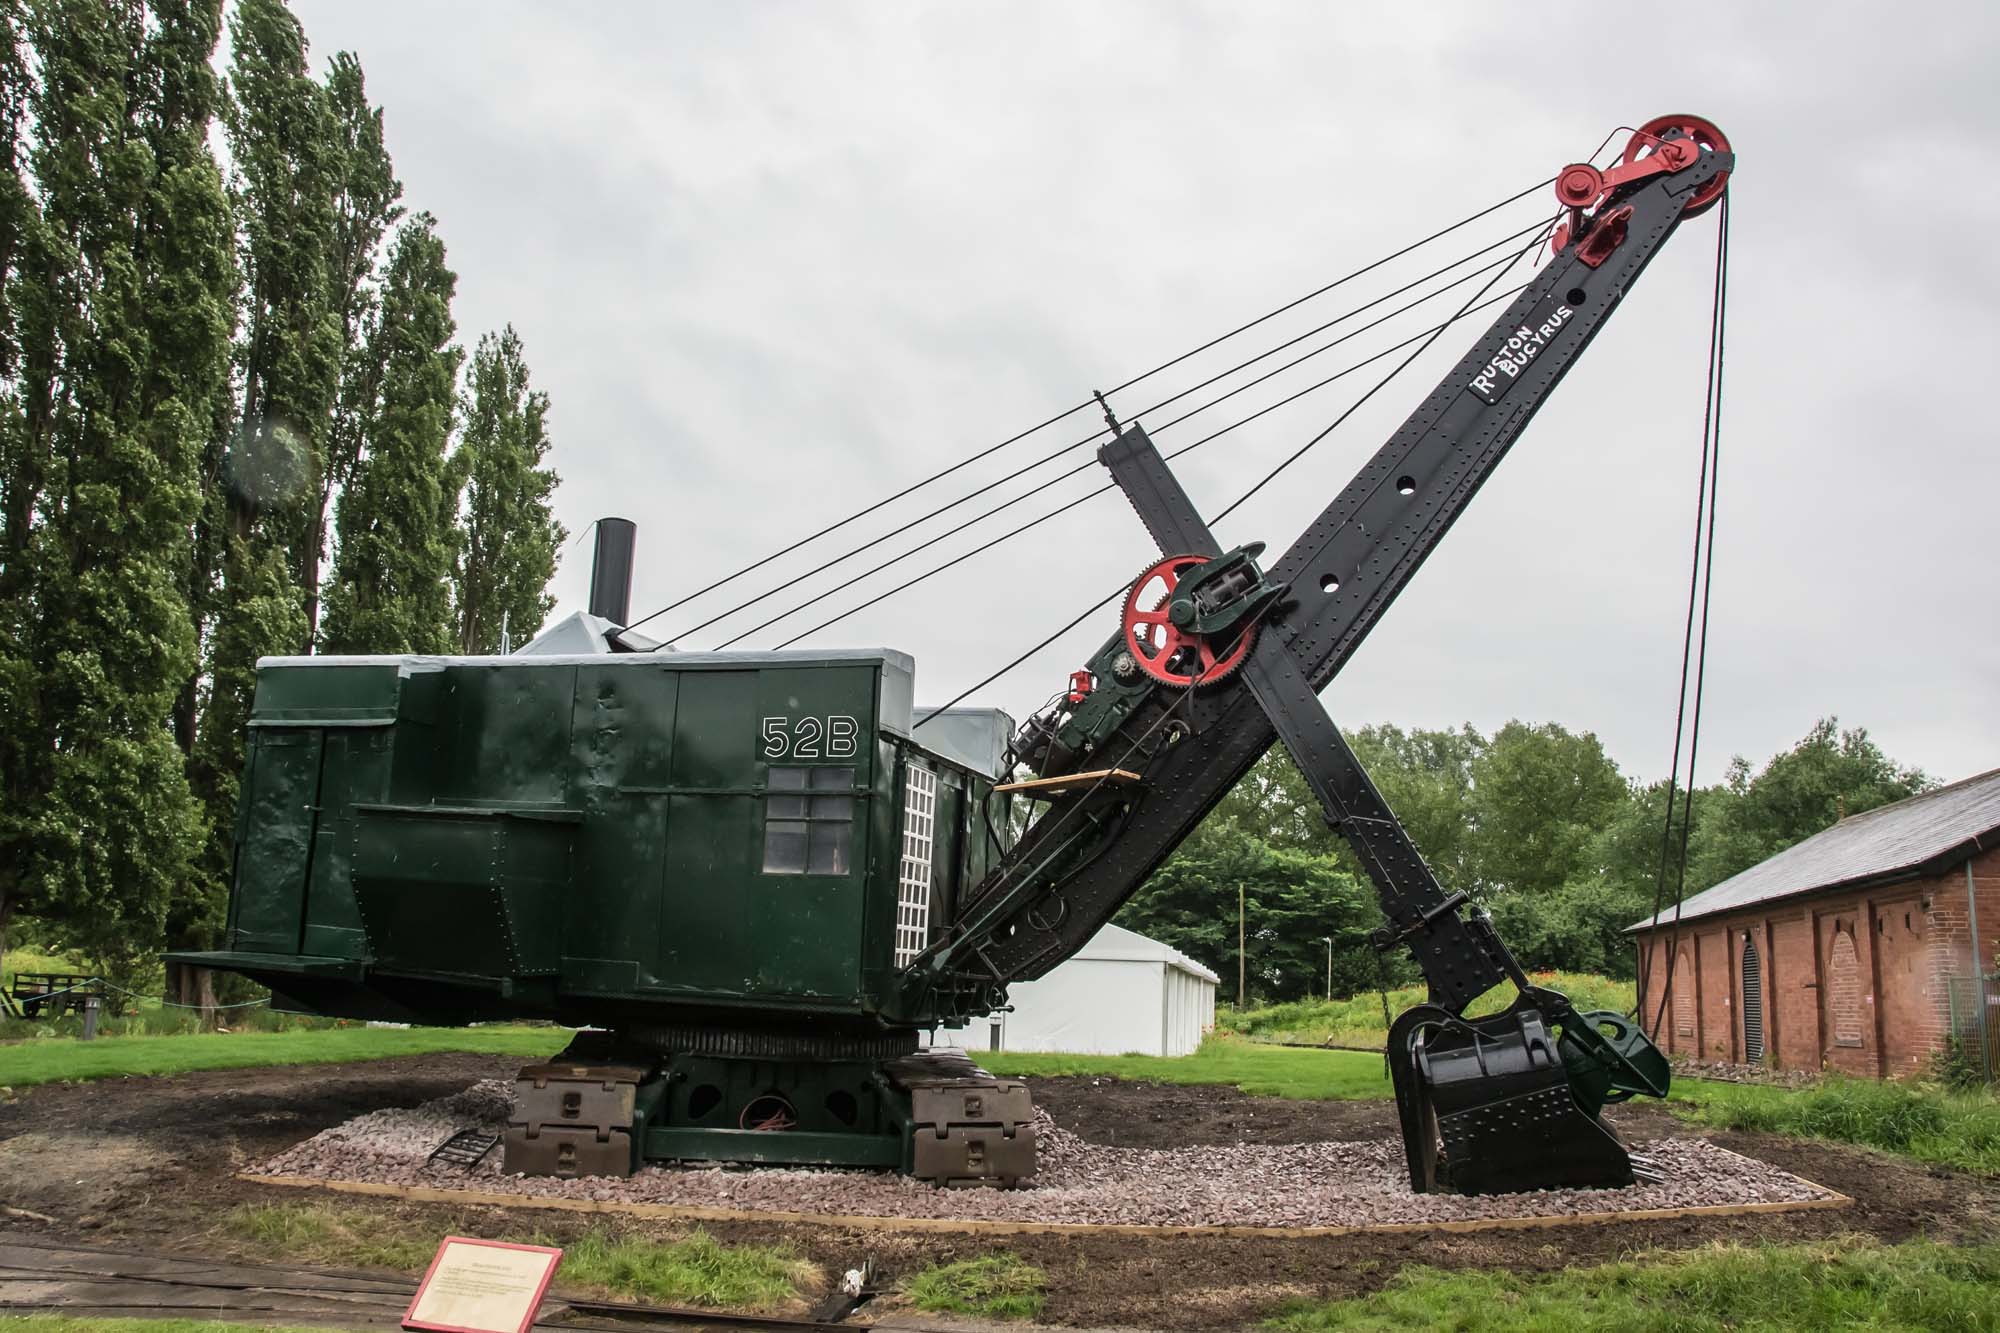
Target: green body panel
<point>584,838</point>
<point>274,847</point>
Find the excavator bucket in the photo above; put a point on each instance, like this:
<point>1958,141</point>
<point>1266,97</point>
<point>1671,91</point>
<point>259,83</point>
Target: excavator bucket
<point>1501,1104</point>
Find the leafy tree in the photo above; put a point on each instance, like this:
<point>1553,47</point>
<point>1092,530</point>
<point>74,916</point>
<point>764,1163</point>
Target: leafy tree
<point>1539,793</point>
<point>1273,804</point>
<point>312,194</point>
<point>1293,902</point>
<point>1828,775</point>
<point>1631,860</point>
<point>1580,925</point>
<point>1424,775</point>
<point>121,299</point>
<point>364,208</point>
<point>25,462</point>
<point>266,454</point>
<point>507,550</point>
<point>281,142</point>
<point>394,523</point>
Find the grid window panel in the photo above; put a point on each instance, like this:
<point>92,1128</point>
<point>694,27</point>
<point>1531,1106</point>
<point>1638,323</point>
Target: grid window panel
<point>913,894</point>
<point>807,833</point>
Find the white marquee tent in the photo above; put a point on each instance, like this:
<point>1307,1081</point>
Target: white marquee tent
<point>1122,993</point>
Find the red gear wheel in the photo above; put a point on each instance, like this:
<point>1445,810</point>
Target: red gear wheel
<point>1703,132</point>
<point>1165,651</point>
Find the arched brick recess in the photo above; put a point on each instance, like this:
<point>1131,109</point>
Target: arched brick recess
<point>1684,993</point>
<point>1843,1000</point>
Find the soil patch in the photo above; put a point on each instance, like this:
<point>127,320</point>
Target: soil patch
<point>157,1159</point>
<point>1170,1115</point>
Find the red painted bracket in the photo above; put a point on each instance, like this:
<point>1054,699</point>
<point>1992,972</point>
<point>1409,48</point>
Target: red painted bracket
<point>1581,186</point>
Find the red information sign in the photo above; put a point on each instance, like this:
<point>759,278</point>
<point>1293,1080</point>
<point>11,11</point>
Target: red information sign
<point>482,1286</point>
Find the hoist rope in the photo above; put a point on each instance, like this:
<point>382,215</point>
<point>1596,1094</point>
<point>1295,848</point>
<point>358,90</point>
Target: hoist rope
<point>1108,487</point>
<point>1383,383</point>
<point>1431,335</point>
<point>1099,433</point>
<point>942,473</point>
<point>1090,464</point>
<point>1694,639</point>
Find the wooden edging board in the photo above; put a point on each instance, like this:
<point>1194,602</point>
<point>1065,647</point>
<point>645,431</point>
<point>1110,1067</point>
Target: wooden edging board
<point>982,1226</point>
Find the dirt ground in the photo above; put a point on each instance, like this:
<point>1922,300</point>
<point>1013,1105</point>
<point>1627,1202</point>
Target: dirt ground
<point>151,1163</point>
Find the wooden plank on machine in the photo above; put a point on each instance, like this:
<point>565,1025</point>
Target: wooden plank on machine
<point>1068,781</point>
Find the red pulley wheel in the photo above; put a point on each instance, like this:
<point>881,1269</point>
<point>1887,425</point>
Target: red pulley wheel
<point>1647,137</point>
<point>1165,651</point>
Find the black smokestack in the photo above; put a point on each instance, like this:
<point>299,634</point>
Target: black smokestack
<point>611,570</point>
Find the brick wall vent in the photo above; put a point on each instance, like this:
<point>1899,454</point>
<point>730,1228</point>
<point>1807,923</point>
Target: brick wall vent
<point>1753,1003</point>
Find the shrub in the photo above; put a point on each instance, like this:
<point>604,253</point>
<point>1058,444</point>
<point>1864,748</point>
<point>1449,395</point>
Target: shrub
<point>1357,1020</point>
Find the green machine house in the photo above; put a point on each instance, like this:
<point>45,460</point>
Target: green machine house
<point>720,864</point>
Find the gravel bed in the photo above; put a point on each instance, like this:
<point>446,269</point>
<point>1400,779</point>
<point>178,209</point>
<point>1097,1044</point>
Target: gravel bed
<point>1306,1184</point>
<point>1724,1071</point>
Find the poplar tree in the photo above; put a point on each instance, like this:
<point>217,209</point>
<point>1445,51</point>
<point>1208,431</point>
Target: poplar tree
<point>508,545</point>
<point>313,193</point>
<point>122,302</point>
<point>364,208</point>
<point>25,464</point>
<point>280,132</point>
<point>394,524</point>
<point>280,129</point>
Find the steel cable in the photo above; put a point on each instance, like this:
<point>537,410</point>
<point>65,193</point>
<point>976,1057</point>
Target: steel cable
<point>1702,563</point>
<point>1383,383</point>
<point>997,482</point>
<point>1085,466</point>
<point>1119,591</point>
<point>1111,486</point>
<point>1365,269</point>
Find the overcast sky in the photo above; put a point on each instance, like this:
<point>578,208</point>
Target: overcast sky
<point>774,261</point>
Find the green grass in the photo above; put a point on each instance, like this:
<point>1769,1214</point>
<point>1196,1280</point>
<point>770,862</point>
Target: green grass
<point>693,1269</point>
<point>998,1286</point>
<point>1357,1021</point>
<point>1921,1120</point>
<point>329,1238</point>
<point>1849,1283</point>
<point>1264,1071</point>
<point>23,1064</point>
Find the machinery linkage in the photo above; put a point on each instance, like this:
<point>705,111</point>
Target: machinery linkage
<point>1217,654</point>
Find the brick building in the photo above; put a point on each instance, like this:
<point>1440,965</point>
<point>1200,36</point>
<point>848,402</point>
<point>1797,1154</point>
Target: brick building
<point>1853,950</point>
